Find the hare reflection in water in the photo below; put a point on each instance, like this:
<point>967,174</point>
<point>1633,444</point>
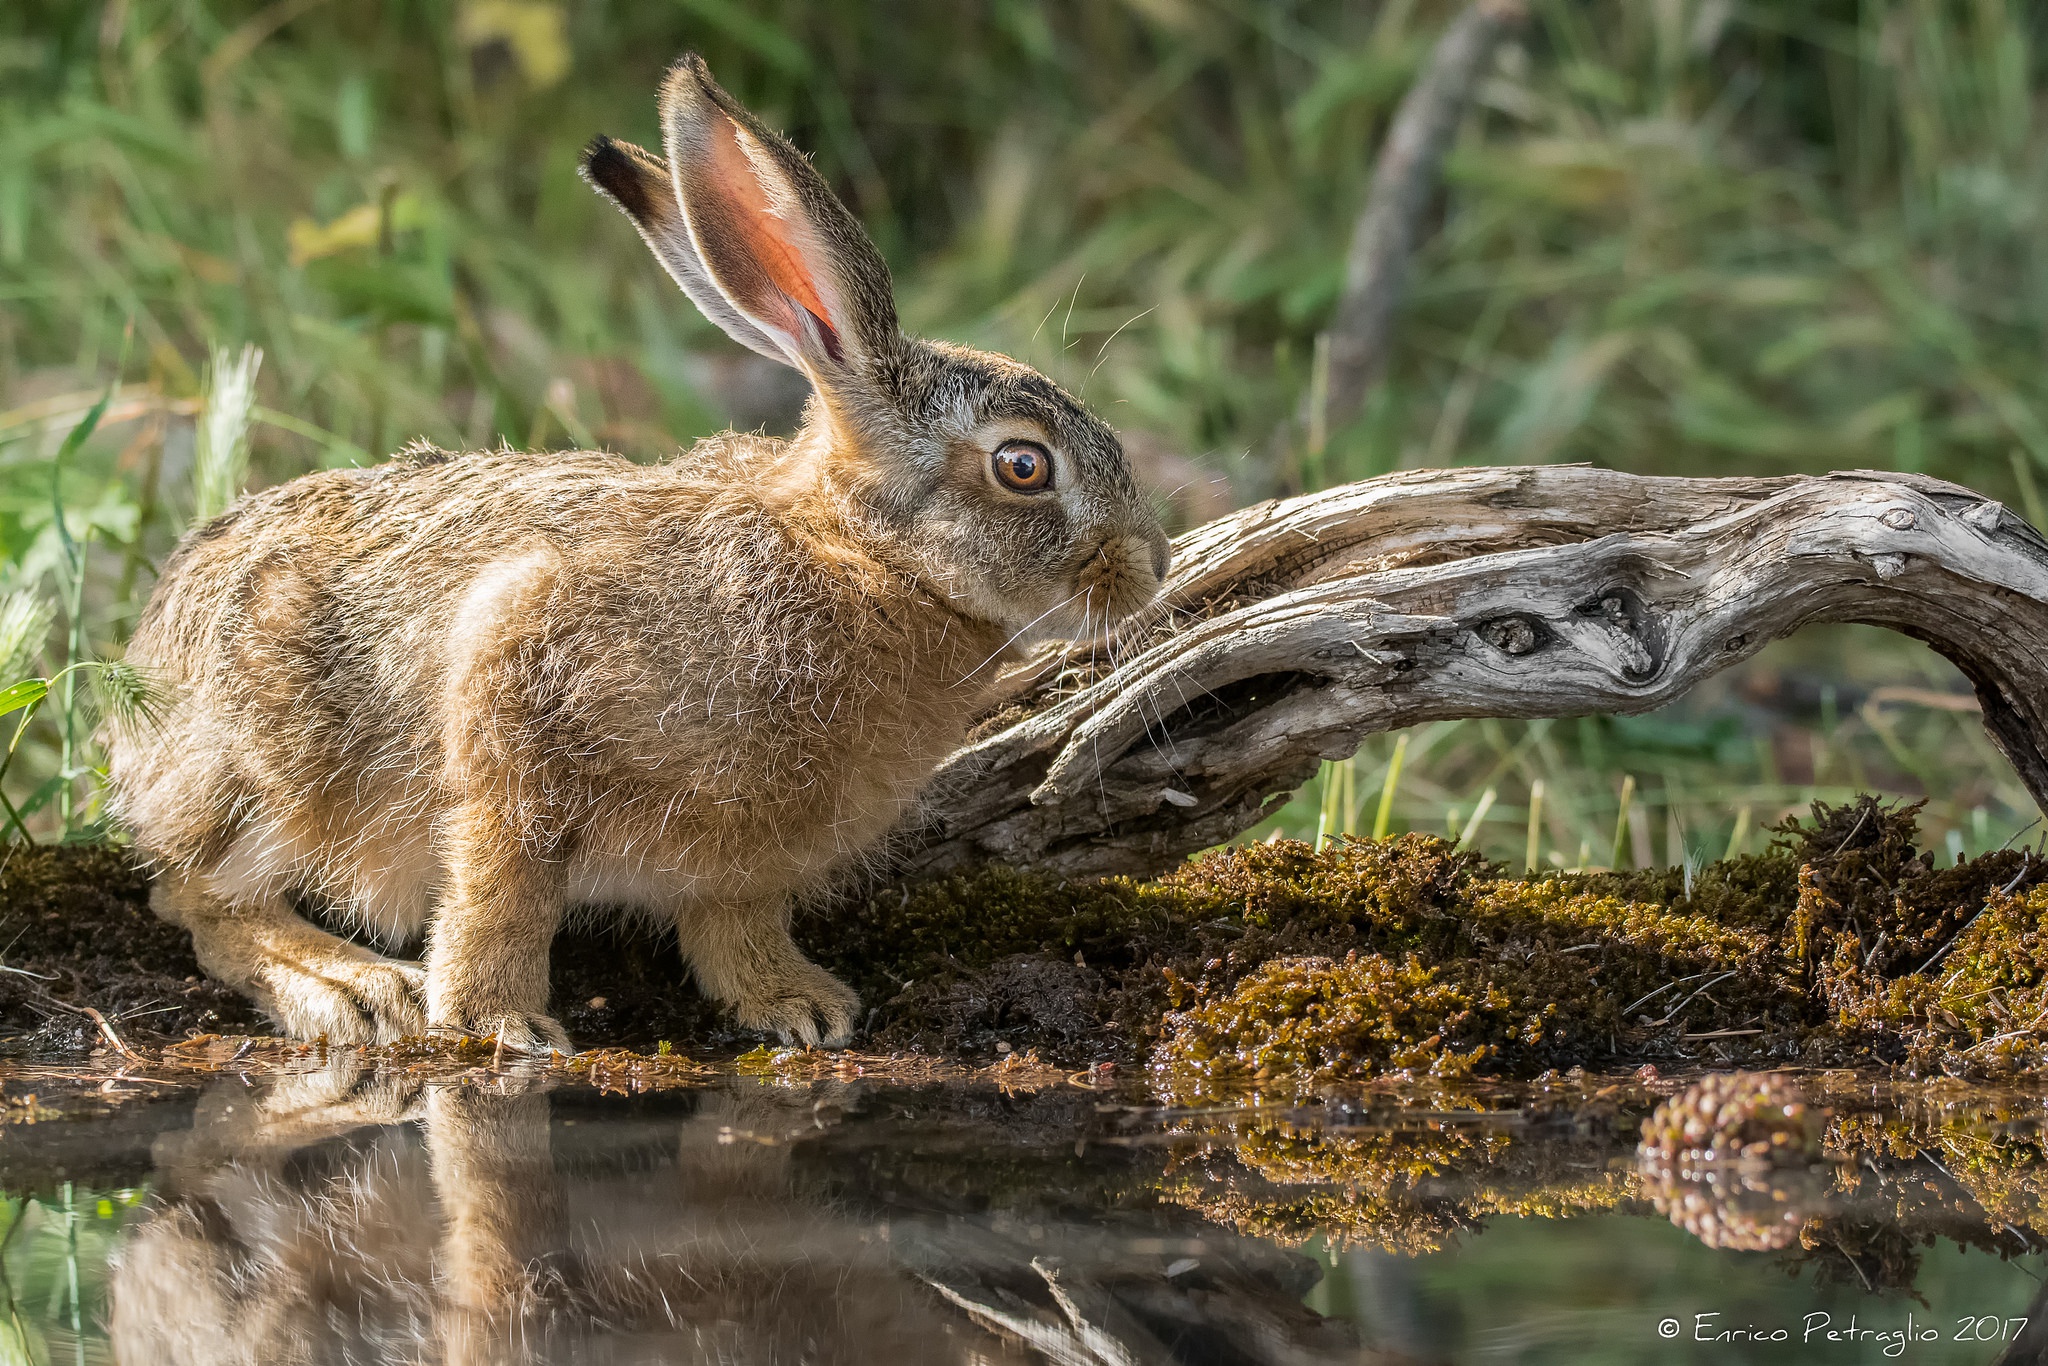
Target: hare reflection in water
<point>284,1237</point>
<point>358,1218</point>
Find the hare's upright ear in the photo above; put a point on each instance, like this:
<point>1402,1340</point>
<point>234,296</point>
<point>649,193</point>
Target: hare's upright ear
<point>751,232</point>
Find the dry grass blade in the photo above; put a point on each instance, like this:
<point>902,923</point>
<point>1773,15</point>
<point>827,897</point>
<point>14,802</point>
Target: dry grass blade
<point>220,460</point>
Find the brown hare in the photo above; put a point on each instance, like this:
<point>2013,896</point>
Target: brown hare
<point>467,693</point>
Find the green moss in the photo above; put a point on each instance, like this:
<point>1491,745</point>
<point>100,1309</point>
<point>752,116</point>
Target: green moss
<point>1314,1020</point>
<point>1738,1161</point>
<point>1558,914</point>
<point>1392,887</point>
<point>1286,967</point>
<point>1980,1011</point>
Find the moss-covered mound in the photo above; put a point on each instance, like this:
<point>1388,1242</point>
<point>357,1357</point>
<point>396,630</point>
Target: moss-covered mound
<point>1286,968</point>
<point>1273,965</point>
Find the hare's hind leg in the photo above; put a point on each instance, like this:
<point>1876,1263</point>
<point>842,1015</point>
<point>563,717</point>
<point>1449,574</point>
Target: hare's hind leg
<point>311,982</point>
<point>742,955</point>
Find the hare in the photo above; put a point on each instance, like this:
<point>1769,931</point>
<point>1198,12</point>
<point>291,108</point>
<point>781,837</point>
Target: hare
<point>466,694</point>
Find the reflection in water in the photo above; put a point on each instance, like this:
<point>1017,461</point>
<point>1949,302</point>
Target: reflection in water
<point>1736,1160</point>
<point>350,1216</point>
<point>311,1225</point>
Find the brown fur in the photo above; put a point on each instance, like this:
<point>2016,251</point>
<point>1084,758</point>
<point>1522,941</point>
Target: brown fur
<point>467,693</point>
<point>313,1224</point>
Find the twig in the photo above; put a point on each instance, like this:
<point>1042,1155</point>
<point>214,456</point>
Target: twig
<point>2006,890</point>
<point>1678,982</point>
<point>1404,178</point>
<point>1861,816</point>
<point>2026,1028</point>
<point>106,1028</point>
<point>1850,1257</point>
<point>1695,996</point>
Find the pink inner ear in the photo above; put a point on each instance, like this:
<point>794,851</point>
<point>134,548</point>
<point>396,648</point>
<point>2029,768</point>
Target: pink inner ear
<point>769,238</point>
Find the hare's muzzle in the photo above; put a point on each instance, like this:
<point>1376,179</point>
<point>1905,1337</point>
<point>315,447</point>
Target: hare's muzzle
<point>1122,574</point>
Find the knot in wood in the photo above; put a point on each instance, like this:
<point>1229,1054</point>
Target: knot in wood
<point>1899,519</point>
<point>1631,631</point>
<point>1516,635</point>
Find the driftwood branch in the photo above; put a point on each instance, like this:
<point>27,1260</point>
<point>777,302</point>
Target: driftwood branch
<point>1403,180</point>
<point>1290,631</point>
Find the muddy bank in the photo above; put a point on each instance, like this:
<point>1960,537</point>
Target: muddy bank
<point>1271,965</point>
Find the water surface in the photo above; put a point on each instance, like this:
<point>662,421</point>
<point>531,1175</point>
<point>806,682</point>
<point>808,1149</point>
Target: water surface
<point>351,1215</point>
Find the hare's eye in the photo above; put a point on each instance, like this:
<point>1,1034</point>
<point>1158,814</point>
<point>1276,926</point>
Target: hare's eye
<point>1024,466</point>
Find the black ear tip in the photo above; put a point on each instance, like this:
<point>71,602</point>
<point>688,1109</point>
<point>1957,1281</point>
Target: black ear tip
<point>688,70</point>
<point>614,172</point>
<point>596,150</point>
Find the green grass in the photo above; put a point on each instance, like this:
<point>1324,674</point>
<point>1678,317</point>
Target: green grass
<point>1689,237</point>
<point>1705,779</point>
<point>53,1272</point>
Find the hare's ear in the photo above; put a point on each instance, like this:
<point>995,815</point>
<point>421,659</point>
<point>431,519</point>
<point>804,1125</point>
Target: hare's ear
<point>765,248</point>
<point>638,182</point>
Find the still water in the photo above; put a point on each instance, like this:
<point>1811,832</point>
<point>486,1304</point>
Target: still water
<point>346,1215</point>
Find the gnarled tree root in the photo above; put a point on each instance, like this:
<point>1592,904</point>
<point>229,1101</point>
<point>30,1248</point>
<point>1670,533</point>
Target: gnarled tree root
<point>1291,630</point>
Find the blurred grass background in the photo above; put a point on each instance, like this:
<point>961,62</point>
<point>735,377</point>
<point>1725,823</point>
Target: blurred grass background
<point>1676,236</point>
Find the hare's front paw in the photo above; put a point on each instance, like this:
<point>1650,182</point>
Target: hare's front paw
<point>520,1031</point>
<point>803,1004</point>
<point>354,997</point>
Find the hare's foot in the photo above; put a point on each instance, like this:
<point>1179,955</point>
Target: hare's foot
<point>350,997</point>
<point>312,983</point>
<point>744,957</point>
<point>809,1007</point>
<point>520,1031</point>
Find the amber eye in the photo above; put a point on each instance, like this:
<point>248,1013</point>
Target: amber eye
<point>1024,466</point>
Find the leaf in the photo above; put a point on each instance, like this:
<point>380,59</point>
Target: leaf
<point>27,693</point>
<point>535,31</point>
<point>43,795</point>
<point>309,241</point>
<point>74,439</point>
<point>362,226</point>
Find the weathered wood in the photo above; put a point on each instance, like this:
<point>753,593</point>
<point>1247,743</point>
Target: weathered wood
<point>1291,630</point>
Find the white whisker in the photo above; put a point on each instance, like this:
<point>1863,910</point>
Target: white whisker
<point>1019,632</point>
